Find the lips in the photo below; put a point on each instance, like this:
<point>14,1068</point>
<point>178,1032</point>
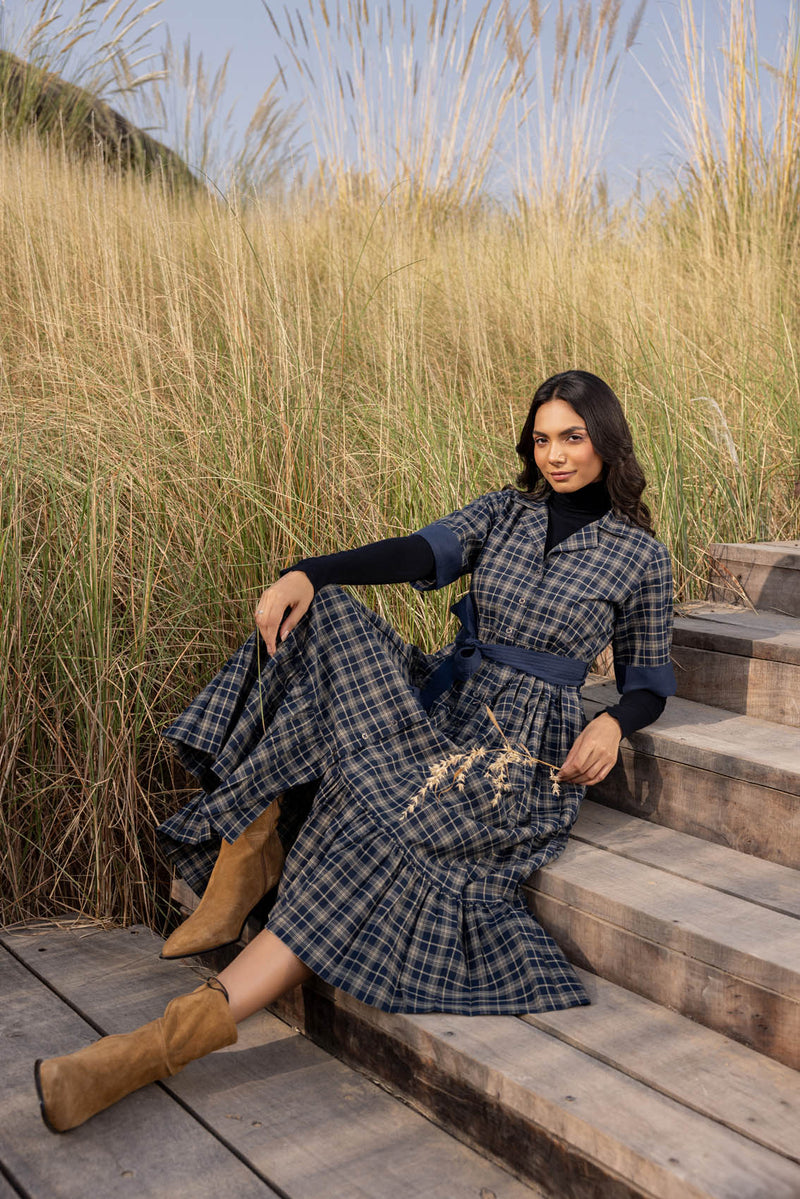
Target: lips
<point>560,475</point>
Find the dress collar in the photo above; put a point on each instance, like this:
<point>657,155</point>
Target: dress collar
<point>535,522</point>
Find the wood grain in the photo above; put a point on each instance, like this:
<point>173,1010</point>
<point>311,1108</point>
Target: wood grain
<point>765,1020</point>
<point>696,1066</point>
<point>722,930</point>
<point>307,1121</point>
<point>742,816</point>
<point>768,573</point>
<point>487,1075</point>
<point>726,778</point>
<point>756,687</point>
<point>746,877</point>
<point>145,1145</point>
<point>764,635</point>
<point>763,752</point>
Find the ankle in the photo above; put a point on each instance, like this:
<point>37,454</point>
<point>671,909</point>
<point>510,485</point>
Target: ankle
<point>216,985</point>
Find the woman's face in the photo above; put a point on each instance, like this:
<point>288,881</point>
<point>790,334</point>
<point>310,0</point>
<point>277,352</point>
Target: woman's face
<point>562,449</point>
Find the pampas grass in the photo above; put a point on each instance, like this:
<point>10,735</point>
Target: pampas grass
<point>197,390</point>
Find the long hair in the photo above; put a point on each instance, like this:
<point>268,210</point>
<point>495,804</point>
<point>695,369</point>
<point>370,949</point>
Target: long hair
<point>608,430</point>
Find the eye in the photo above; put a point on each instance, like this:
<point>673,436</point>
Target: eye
<point>540,441</point>
<point>576,437</point>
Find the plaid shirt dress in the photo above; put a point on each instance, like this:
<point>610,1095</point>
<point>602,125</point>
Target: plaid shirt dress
<point>403,884</point>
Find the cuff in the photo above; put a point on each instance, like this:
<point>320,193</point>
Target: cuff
<point>660,679</point>
<point>447,553</point>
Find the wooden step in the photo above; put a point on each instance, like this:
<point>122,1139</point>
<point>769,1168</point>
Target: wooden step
<point>150,1147</point>
<point>621,1098</point>
<point>742,661</point>
<point>731,779</point>
<point>726,961</point>
<point>752,879</point>
<point>273,1115</point>
<point>767,573</point>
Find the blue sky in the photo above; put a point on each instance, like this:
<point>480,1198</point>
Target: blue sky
<point>641,129</point>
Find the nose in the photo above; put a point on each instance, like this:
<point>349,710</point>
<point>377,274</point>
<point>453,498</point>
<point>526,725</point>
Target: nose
<point>556,453</point>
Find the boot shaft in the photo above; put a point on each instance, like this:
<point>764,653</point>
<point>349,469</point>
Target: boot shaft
<point>78,1085</point>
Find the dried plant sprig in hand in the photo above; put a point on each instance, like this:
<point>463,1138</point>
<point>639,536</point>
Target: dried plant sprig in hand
<point>455,766</point>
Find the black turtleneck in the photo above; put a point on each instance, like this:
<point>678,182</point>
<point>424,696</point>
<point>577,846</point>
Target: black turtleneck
<point>570,511</point>
<point>404,559</point>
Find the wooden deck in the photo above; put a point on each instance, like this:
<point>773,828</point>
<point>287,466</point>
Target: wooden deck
<point>272,1116</point>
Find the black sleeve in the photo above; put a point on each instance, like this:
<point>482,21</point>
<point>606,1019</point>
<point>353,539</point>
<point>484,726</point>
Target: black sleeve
<point>394,560</point>
<point>636,709</point>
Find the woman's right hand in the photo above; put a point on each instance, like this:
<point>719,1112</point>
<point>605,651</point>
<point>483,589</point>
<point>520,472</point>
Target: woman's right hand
<point>282,606</point>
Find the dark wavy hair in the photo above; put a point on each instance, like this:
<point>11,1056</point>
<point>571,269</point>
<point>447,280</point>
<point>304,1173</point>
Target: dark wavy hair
<point>608,430</point>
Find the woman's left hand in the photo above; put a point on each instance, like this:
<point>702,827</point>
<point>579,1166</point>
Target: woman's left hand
<point>593,752</point>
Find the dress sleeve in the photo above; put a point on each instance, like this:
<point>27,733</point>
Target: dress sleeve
<point>457,540</point>
<point>643,630</point>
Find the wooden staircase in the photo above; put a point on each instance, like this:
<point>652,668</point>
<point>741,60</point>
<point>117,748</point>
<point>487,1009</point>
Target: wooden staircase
<point>679,899</point>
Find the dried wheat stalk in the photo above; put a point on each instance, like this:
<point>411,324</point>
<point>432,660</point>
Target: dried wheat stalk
<point>455,766</point>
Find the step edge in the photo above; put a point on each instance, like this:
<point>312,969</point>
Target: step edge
<point>653,1081</point>
<point>657,737</point>
<point>691,940</point>
<point>726,854</point>
<point>415,1035</point>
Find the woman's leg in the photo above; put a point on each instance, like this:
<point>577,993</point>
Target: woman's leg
<point>78,1085</point>
<point>263,971</point>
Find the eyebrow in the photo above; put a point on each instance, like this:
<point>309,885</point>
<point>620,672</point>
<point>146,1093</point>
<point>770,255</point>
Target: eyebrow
<point>571,429</point>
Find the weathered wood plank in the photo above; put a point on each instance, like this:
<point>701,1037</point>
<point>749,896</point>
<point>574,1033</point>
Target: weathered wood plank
<point>763,752</point>
<point>763,635</point>
<point>729,933</point>
<point>726,963</point>
<point>784,554</point>
<point>762,1019</point>
<point>715,775</point>
<point>699,1067</point>
<point>744,661</point>
<point>577,1125</point>
<point>767,572</point>
<point>316,1126</point>
<point>750,819</point>
<point>7,1189</point>
<point>147,1144</point>
<point>696,1066</point>
<point>766,689</point>
<point>749,878</point>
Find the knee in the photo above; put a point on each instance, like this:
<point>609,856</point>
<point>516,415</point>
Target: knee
<point>333,600</point>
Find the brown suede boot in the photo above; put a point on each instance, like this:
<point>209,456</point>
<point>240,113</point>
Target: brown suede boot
<point>245,870</point>
<point>77,1086</point>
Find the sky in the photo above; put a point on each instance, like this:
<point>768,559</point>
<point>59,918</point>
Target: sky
<point>641,134</point>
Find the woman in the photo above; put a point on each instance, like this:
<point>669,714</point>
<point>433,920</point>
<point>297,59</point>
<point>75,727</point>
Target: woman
<point>442,780</point>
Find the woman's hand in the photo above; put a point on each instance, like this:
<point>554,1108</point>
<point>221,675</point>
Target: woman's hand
<point>282,606</point>
<point>593,752</point>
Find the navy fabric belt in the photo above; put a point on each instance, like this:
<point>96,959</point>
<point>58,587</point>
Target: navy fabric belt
<point>469,652</point>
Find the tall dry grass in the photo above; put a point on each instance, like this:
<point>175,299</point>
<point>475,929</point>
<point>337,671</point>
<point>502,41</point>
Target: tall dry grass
<point>195,391</point>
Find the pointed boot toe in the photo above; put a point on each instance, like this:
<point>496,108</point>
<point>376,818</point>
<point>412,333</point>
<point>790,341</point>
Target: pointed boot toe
<point>244,871</point>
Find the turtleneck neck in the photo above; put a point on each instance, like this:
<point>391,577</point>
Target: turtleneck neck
<point>569,511</point>
<point>593,500</point>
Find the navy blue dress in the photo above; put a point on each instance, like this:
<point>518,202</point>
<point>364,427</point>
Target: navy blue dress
<point>403,886</point>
